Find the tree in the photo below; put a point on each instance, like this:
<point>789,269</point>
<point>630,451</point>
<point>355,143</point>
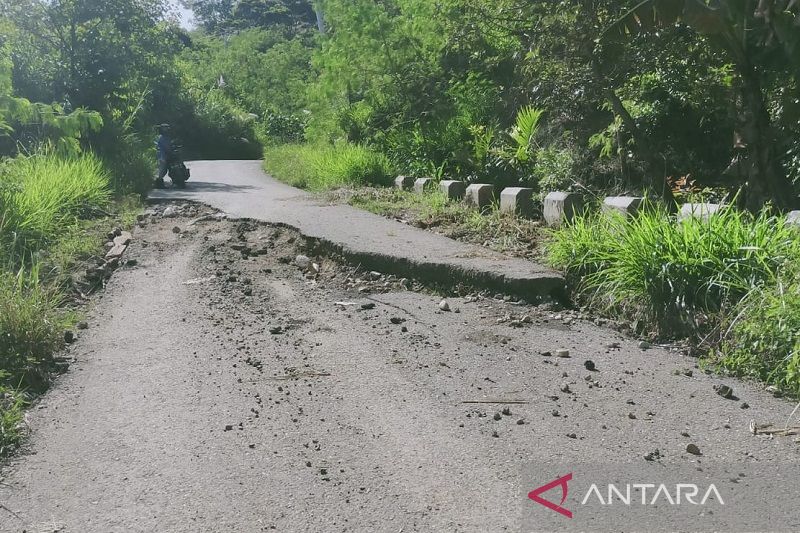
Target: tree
<point>85,53</point>
<point>33,125</point>
<point>223,17</point>
<point>751,37</point>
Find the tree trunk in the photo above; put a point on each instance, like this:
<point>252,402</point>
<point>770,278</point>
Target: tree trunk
<point>652,170</point>
<point>766,177</point>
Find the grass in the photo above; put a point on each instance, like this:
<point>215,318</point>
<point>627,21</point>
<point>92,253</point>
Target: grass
<point>761,338</point>
<point>31,329</point>
<point>30,332</point>
<point>325,167</point>
<point>671,274</point>
<point>52,217</point>
<point>728,280</point>
<point>42,195</point>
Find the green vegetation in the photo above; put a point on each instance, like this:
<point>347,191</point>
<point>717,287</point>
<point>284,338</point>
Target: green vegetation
<point>694,278</point>
<point>320,167</point>
<point>42,195</point>
<point>761,338</point>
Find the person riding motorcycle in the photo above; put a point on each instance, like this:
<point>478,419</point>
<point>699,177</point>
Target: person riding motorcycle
<point>163,151</point>
<point>170,160</point>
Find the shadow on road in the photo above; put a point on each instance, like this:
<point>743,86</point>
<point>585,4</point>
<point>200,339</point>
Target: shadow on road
<point>207,186</point>
<point>202,187</point>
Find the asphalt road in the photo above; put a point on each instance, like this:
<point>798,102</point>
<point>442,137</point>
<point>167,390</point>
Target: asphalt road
<point>220,387</point>
<point>242,189</point>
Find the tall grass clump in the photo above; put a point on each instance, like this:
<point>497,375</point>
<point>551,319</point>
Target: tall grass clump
<point>30,329</point>
<point>323,167</point>
<point>42,195</point>
<point>30,332</point>
<point>761,337</point>
<point>671,274</point>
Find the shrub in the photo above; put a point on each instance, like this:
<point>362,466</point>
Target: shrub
<point>321,167</point>
<point>554,170</point>
<point>762,337</point>
<point>671,274</point>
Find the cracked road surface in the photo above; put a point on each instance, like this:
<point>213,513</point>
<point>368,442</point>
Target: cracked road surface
<point>220,387</point>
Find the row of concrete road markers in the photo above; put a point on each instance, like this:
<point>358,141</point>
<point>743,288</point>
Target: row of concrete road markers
<point>558,206</point>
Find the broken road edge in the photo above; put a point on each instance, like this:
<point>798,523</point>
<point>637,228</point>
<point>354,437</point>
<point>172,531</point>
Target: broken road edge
<point>533,288</point>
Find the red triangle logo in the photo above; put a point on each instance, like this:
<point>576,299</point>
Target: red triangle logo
<point>562,482</point>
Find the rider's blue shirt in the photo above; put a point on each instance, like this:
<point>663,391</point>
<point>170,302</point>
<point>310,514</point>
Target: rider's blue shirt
<point>162,147</point>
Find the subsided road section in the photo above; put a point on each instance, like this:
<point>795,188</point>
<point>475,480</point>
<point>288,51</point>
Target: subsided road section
<point>221,388</point>
<point>242,189</point>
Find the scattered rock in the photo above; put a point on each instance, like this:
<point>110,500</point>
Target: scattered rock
<point>724,390</point>
<point>83,325</point>
<point>693,449</point>
<point>565,388</point>
<point>644,345</point>
<point>69,337</point>
<point>612,346</point>
<point>368,305</point>
<point>521,422</point>
<point>497,416</point>
<point>176,230</point>
<point>507,411</point>
<point>170,212</point>
<point>495,434</point>
<point>572,435</point>
<point>397,320</point>
<point>229,427</point>
<point>444,305</point>
<point>775,391</point>
<point>745,405</point>
<point>655,455</point>
<point>589,365</point>
<point>276,330</point>
<point>546,354</point>
<point>632,416</point>
<point>302,262</point>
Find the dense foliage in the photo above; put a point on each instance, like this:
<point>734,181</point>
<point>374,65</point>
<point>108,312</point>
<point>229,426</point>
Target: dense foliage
<point>633,95</point>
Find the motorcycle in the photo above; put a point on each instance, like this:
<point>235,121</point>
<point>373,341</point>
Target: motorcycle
<point>177,170</point>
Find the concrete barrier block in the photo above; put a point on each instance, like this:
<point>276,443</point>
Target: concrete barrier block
<point>627,205</point>
<point>422,185</point>
<point>404,183</point>
<point>517,200</point>
<point>561,206</point>
<point>701,211</point>
<point>481,195</point>
<point>453,189</point>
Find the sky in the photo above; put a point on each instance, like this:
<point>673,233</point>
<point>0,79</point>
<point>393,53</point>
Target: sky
<point>185,14</point>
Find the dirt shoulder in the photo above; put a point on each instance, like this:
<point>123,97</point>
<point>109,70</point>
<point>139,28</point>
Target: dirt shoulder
<point>221,387</point>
